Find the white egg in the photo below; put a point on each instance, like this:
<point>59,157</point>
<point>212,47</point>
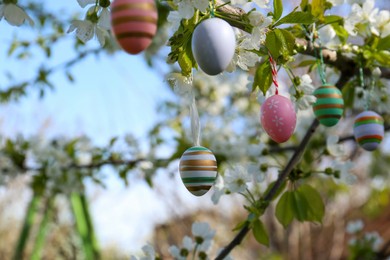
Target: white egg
<point>213,45</point>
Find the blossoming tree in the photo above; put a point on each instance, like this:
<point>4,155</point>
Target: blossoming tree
<point>303,44</point>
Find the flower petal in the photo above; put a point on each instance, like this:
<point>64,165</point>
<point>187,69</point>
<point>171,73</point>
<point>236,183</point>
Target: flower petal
<point>15,15</point>
<point>104,19</point>
<point>84,3</point>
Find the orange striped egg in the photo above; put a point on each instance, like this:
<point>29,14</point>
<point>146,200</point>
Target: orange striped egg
<point>198,170</point>
<point>134,23</point>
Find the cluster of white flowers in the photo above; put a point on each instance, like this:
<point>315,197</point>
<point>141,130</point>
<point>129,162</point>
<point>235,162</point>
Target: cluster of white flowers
<point>186,8</point>
<point>14,14</point>
<point>96,22</point>
<point>365,19</point>
<point>302,95</point>
<point>244,56</point>
<point>199,245</point>
<point>355,228</point>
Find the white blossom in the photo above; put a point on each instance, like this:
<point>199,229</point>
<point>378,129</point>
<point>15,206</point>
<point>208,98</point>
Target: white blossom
<point>365,15</point>
<point>174,19</point>
<point>14,14</point>
<point>85,30</point>
<point>181,85</point>
<point>381,26</point>
<point>186,8</point>
<point>202,232</point>
<point>84,3</point>
<point>374,238</point>
<point>333,146</point>
<point>219,189</point>
<point>302,95</point>
<point>343,169</point>
<point>354,226</point>
<point>236,179</point>
<point>328,37</point>
<point>149,252</point>
<point>262,3</point>
<point>97,23</point>
<point>187,246</point>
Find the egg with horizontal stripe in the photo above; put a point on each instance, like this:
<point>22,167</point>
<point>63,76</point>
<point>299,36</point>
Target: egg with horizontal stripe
<point>329,106</point>
<point>134,23</point>
<point>213,45</point>
<point>278,118</point>
<point>198,170</point>
<point>368,130</point>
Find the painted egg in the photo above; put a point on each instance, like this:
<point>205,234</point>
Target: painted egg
<point>329,106</point>
<point>368,130</point>
<point>278,118</point>
<point>198,169</point>
<point>213,45</point>
<point>134,23</point>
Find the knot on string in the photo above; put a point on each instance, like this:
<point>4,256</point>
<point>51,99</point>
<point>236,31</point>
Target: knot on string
<point>274,73</point>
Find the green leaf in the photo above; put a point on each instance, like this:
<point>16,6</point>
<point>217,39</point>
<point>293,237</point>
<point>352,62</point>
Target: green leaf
<point>304,4</point>
<point>340,32</point>
<point>278,9</point>
<point>263,77</point>
<point>384,43</point>
<point>305,63</point>
<point>273,45</point>
<point>300,206</point>
<point>318,8</point>
<point>287,40</point>
<point>316,208</point>
<point>383,57</point>
<point>297,17</point>
<point>284,211</point>
<point>260,233</point>
<point>330,19</point>
<point>240,225</point>
<point>185,63</point>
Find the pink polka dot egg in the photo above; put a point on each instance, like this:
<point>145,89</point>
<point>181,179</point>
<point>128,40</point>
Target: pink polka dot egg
<point>134,23</point>
<point>278,118</point>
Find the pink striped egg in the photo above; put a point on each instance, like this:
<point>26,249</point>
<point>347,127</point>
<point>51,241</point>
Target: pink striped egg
<point>278,118</point>
<point>134,23</point>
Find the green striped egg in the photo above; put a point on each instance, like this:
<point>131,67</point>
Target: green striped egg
<point>368,130</point>
<point>198,170</point>
<point>329,106</point>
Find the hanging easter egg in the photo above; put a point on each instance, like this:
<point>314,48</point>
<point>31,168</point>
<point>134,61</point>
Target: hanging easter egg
<point>198,169</point>
<point>134,23</point>
<point>368,130</point>
<point>329,106</point>
<point>278,118</point>
<point>213,45</point>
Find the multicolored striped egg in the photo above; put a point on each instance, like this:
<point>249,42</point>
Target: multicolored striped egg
<point>134,23</point>
<point>329,106</point>
<point>368,130</point>
<point>198,169</point>
<point>278,118</point>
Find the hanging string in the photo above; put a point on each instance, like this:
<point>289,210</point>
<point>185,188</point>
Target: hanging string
<point>367,89</point>
<point>195,122</point>
<point>274,73</point>
<point>183,86</point>
<point>319,56</point>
